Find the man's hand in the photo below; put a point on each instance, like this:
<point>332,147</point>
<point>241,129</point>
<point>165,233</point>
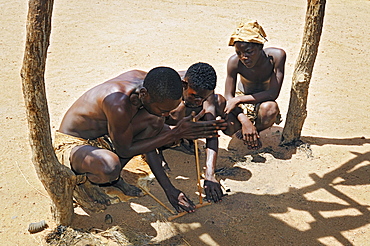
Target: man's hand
<point>180,201</point>
<point>231,104</point>
<point>213,191</point>
<point>249,135</point>
<point>188,129</point>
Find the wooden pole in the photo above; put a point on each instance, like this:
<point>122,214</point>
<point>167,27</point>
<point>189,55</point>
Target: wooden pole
<point>57,179</point>
<point>185,213</point>
<point>297,112</point>
<point>157,200</point>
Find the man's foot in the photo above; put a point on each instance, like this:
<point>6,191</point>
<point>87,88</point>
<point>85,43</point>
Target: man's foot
<point>239,135</point>
<point>90,196</point>
<point>127,189</point>
<point>186,146</point>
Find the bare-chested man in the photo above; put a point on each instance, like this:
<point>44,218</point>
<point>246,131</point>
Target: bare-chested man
<point>122,118</point>
<point>199,83</point>
<point>261,73</point>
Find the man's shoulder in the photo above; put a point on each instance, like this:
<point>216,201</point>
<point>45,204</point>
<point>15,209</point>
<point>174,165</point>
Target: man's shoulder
<point>276,53</point>
<point>233,63</point>
<point>234,59</point>
<point>213,100</point>
<point>130,76</point>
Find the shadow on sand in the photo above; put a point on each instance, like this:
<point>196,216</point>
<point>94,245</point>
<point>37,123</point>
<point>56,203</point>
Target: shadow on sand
<point>255,219</point>
<point>250,219</point>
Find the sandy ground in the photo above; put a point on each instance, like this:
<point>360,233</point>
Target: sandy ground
<point>313,195</point>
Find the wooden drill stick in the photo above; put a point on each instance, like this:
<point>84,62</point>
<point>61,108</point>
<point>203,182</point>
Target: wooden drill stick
<point>157,200</point>
<point>198,169</point>
<point>184,213</point>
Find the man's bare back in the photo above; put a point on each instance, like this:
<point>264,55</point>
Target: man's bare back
<point>130,109</point>
<point>86,117</point>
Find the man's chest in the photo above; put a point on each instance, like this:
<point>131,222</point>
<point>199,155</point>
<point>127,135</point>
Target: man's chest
<point>255,76</point>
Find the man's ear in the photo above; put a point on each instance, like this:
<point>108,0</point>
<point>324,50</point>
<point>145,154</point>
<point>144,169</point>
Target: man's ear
<point>135,99</point>
<point>144,95</point>
<point>143,92</point>
<point>185,85</point>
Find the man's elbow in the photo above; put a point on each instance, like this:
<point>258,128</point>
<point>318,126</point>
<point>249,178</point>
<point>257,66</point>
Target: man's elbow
<point>125,154</point>
<point>273,95</point>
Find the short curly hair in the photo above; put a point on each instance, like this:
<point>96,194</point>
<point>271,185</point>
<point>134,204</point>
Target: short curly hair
<point>201,76</point>
<point>163,83</point>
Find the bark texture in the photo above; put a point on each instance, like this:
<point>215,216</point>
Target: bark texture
<point>57,179</point>
<point>297,112</point>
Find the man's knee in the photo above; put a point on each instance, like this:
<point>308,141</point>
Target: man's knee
<point>233,125</point>
<point>267,114</point>
<point>110,169</point>
<point>268,110</point>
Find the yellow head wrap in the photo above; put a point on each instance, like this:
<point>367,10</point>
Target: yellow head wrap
<point>248,31</point>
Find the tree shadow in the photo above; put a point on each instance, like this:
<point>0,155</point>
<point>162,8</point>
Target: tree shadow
<point>254,219</point>
<point>247,218</point>
<point>320,141</point>
<point>271,138</point>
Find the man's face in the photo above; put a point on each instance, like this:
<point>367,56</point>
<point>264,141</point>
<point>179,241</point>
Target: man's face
<point>161,109</point>
<point>247,53</point>
<point>195,98</point>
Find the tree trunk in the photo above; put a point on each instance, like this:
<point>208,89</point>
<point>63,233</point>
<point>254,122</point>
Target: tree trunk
<point>57,179</point>
<point>297,112</point>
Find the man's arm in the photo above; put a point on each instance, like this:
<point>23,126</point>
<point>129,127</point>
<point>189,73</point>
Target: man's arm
<point>231,77</point>
<point>212,187</point>
<point>276,81</point>
<point>119,116</point>
<point>176,197</point>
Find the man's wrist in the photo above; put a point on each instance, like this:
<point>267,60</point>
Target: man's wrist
<point>238,100</point>
<point>174,135</point>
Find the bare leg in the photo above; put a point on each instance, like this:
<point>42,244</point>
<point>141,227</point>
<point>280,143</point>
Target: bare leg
<point>233,124</point>
<point>165,165</point>
<point>102,167</point>
<point>267,113</point>
<point>249,132</point>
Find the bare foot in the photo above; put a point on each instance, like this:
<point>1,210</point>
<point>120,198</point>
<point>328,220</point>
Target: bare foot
<point>128,189</point>
<point>186,146</point>
<point>91,196</point>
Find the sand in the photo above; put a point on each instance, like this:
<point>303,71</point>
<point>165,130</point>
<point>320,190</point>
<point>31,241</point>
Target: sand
<point>317,194</point>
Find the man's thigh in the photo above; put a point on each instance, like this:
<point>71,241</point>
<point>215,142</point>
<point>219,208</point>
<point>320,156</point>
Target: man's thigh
<point>89,159</point>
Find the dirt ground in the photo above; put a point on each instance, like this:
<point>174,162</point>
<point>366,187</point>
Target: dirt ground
<point>317,194</point>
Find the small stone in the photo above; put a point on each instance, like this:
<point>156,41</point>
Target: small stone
<point>108,219</point>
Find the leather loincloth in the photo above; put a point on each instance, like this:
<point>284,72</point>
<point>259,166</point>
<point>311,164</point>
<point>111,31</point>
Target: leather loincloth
<point>251,110</point>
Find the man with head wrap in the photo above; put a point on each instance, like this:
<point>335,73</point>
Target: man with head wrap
<point>251,104</point>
